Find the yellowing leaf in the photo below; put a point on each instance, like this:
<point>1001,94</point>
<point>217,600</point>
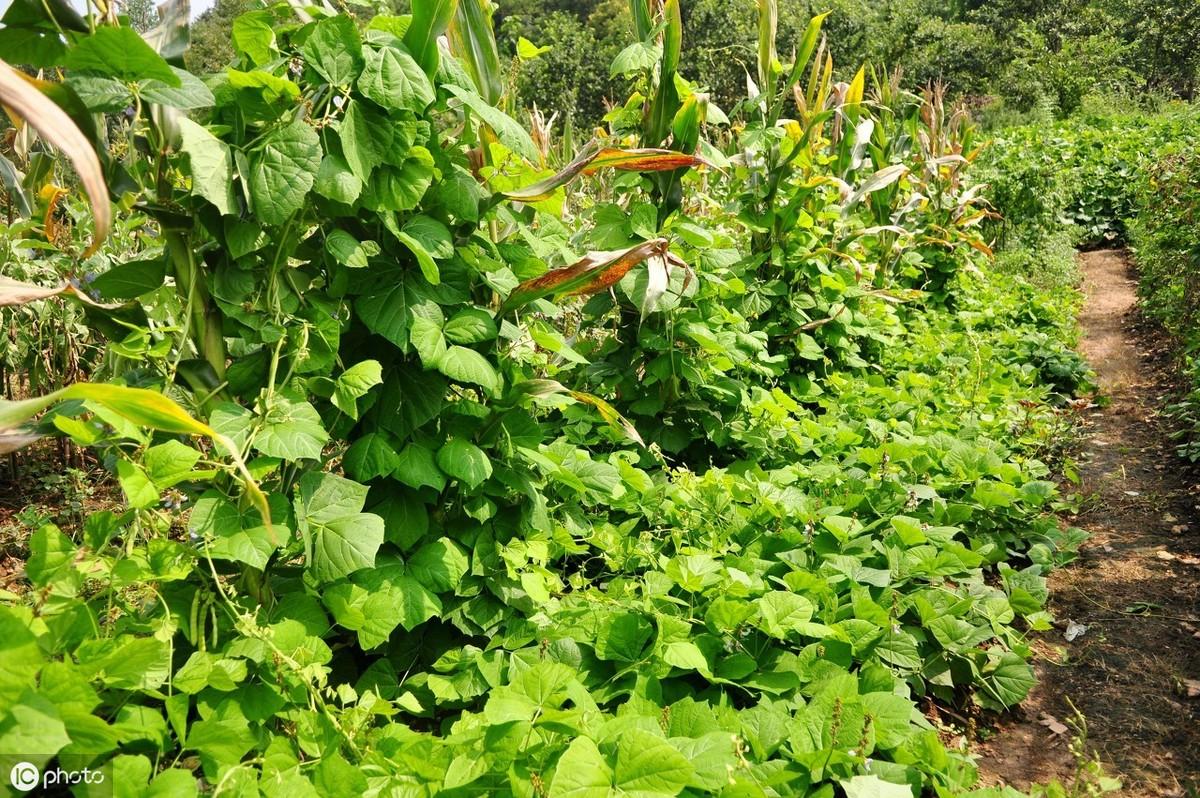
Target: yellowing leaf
<point>527,50</point>
<point>142,407</point>
<point>52,123</point>
<point>591,274</point>
<point>592,161</point>
<point>854,93</point>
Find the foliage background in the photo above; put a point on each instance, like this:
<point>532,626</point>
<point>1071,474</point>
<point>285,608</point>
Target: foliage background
<point>727,525</point>
<point>1017,56</point>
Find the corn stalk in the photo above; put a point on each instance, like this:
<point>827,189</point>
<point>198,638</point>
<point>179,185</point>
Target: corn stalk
<point>668,120</point>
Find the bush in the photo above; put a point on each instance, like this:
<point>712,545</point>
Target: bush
<point>1048,262</point>
<point>572,78</point>
<point>1084,172</point>
<point>1166,239</point>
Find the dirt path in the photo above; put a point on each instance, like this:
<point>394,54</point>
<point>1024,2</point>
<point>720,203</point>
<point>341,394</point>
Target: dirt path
<point>1136,585</point>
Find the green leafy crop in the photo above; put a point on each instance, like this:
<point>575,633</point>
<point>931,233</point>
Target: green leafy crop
<point>697,464</point>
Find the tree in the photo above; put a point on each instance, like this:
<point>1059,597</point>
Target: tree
<point>142,14</point>
<point>962,55</point>
<point>211,47</point>
<point>1162,36</point>
<point>573,77</point>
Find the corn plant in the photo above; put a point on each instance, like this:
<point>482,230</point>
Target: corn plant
<point>665,117</point>
<point>434,488</point>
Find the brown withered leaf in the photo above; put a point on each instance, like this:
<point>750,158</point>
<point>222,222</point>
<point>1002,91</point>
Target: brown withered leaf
<point>23,100</point>
<point>591,274</point>
<point>1052,723</point>
<point>591,161</point>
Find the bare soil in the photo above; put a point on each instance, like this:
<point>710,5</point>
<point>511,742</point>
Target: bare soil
<point>47,483</point>
<point>1135,673</point>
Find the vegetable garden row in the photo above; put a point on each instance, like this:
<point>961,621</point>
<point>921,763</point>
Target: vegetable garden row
<point>1128,180</point>
<point>711,460</point>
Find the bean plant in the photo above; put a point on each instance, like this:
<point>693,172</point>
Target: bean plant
<point>715,479</point>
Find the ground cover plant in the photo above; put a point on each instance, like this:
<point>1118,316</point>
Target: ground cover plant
<point>1087,174</point>
<point>405,514</point>
<point>1101,181</point>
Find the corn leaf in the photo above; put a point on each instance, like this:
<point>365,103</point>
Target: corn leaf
<point>591,274</point>
<point>665,103</point>
<point>14,292</point>
<point>52,123</point>
<point>643,21</point>
<point>169,37</point>
<point>430,19</point>
<point>540,388</point>
<point>672,39</point>
<point>768,26</point>
<point>880,180</point>
<point>816,85</point>
<point>854,94</point>
<point>12,184</point>
<point>642,160</point>
<point>506,130</point>
<point>808,44</point>
<point>658,278</point>
<point>609,414</point>
<point>142,407</point>
<point>685,129</point>
<point>590,162</point>
<point>473,42</point>
<point>825,85</point>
